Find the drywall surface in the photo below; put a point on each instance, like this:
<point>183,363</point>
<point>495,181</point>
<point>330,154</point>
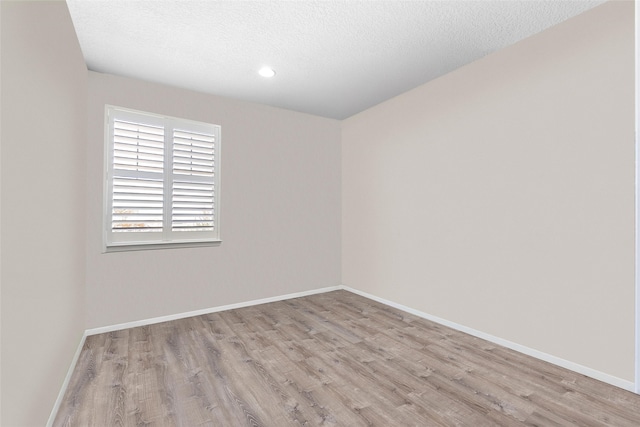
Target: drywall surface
<point>501,196</point>
<point>333,58</point>
<point>280,209</point>
<point>44,90</point>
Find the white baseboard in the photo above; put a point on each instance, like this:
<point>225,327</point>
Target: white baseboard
<point>609,379</point>
<point>65,383</point>
<point>161,319</point>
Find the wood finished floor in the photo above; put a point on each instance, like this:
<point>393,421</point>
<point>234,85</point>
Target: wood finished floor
<point>333,359</point>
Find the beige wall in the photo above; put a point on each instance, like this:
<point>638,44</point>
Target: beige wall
<point>501,196</point>
<point>44,82</point>
<point>280,209</point>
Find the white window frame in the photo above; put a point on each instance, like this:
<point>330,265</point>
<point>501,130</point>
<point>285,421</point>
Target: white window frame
<point>165,238</point>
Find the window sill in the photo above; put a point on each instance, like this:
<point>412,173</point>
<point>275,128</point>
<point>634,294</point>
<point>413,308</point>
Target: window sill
<point>137,246</point>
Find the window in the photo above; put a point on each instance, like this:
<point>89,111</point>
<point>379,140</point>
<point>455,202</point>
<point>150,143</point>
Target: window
<point>163,181</point>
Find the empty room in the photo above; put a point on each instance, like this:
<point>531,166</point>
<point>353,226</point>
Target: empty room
<point>336,213</point>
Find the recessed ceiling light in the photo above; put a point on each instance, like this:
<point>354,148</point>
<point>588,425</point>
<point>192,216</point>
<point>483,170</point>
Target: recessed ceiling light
<point>266,72</point>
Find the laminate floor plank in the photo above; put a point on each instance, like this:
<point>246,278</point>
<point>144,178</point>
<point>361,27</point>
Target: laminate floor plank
<point>534,379</point>
<point>332,359</point>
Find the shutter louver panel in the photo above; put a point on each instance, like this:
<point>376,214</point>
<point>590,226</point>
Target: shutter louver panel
<point>137,205</point>
<point>193,197</point>
<point>138,147</point>
<point>192,206</point>
<point>193,153</point>
<point>138,188</point>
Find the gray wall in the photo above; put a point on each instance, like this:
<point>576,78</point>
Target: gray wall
<point>501,196</point>
<point>44,92</point>
<point>280,218</point>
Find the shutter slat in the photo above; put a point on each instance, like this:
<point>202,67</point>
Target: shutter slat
<point>187,194</point>
<point>200,226</point>
<point>139,149</point>
<point>117,219</point>
<point>188,134</point>
<point>143,163</point>
<point>138,139</point>
<point>137,190</point>
<point>193,161</point>
<point>192,148</point>
<point>137,204</point>
<point>204,213</point>
<point>144,212</point>
<point>196,156</point>
<point>124,126</point>
<point>129,228</point>
<point>203,202</point>
<point>183,211</point>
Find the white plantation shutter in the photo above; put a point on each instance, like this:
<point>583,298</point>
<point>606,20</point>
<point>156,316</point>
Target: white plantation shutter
<point>193,198</point>
<point>138,168</point>
<point>162,184</point>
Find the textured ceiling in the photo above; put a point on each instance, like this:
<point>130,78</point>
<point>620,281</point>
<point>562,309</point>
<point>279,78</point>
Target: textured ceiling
<point>332,58</point>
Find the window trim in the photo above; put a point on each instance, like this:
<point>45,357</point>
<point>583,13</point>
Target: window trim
<point>135,244</point>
